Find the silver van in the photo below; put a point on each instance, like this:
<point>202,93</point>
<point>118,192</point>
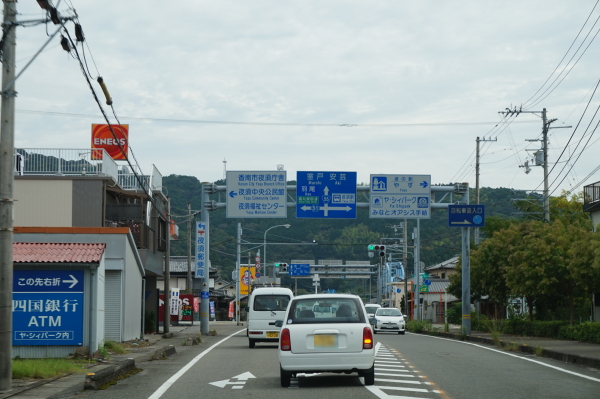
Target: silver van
<point>266,305</point>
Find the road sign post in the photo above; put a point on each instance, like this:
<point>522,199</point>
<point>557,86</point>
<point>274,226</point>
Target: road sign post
<point>326,195</point>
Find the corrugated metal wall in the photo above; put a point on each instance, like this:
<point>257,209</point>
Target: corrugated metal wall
<point>113,305</point>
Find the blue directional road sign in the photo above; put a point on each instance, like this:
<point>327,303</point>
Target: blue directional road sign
<point>466,215</point>
<point>326,195</point>
<point>47,307</point>
<point>400,197</point>
<point>299,269</point>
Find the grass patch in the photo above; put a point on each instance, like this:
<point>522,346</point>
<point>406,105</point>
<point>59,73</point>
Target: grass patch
<point>119,378</point>
<point>418,326</point>
<point>539,351</point>
<point>512,347</point>
<point>28,369</point>
<point>115,347</point>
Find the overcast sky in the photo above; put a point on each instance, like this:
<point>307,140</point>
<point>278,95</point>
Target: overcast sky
<point>417,80</point>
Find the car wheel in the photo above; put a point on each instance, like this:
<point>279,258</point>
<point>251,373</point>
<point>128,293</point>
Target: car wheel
<point>251,343</point>
<point>401,332</point>
<point>286,376</point>
<point>370,376</point>
<point>374,331</point>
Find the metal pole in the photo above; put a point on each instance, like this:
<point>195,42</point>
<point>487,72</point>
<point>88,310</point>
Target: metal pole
<point>189,259</point>
<point>545,146</point>
<point>167,294</point>
<point>7,150</point>
<point>405,264</point>
<point>466,275</point>
<point>417,257</point>
<point>476,233</point>
<point>205,294</point>
<point>237,273</point>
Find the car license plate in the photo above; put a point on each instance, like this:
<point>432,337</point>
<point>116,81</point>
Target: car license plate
<point>324,341</point>
<point>271,334</point>
<point>388,326</point>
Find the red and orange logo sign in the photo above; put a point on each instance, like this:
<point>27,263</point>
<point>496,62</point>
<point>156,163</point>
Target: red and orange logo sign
<point>115,145</point>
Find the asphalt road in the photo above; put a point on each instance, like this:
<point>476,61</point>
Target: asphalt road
<point>407,366</point>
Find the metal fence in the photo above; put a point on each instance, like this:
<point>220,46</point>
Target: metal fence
<point>591,197</point>
<point>61,162</point>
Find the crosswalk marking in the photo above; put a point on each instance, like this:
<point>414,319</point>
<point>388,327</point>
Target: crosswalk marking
<point>395,378</point>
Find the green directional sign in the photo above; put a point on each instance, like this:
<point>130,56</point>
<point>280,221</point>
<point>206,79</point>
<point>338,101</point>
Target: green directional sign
<point>424,288</point>
<point>308,200</point>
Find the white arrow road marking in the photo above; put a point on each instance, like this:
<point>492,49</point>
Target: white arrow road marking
<point>163,388</point>
<point>74,281</point>
<point>244,376</point>
<point>222,383</point>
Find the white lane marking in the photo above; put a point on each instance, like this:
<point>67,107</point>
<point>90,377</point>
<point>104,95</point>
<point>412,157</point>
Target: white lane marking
<point>163,388</point>
<point>395,375</point>
<point>390,365</point>
<point>396,370</point>
<point>519,357</point>
<point>382,395</point>
<point>405,389</point>
<point>398,381</point>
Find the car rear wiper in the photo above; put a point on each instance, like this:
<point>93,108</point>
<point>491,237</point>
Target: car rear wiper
<point>273,313</point>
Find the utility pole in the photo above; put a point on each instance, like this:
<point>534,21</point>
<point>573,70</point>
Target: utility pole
<point>417,260</point>
<point>189,284</point>
<point>7,150</point>
<point>545,127</point>
<point>477,182</point>
<point>237,274</point>
<point>466,274</point>
<point>167,294</point>
<point>405,265</point>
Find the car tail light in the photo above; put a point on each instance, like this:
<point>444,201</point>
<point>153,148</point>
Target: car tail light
<point>367,338</point>
<point>285,341</point>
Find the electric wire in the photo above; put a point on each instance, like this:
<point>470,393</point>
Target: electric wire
<point>566,53</point>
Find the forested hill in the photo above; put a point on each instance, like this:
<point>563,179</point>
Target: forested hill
<point>344,239</point>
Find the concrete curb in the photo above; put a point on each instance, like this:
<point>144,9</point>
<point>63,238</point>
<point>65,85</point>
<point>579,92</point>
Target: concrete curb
<point>108,374</point>
<point>563,357</point>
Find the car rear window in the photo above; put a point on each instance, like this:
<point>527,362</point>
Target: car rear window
<point>325,310</point>
<point>388,312</point>
<point>271,302</point>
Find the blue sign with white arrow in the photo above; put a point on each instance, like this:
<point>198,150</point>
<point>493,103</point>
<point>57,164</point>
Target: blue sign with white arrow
<point>47,307</point>
<point>465,215</point>
<point>299,269</point>
<point>326,195</point>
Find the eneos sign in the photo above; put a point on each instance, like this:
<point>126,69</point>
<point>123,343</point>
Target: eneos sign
<point>115,145</point>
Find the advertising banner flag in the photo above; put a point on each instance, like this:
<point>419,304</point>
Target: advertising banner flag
<point>230,312</point>
<point>116,145</point>
<point>247,275</point>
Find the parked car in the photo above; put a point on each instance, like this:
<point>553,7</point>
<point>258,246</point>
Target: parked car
<point>389,320</point>
<point>371,309</point>
<point>266,305</point>
<point>340,342</point>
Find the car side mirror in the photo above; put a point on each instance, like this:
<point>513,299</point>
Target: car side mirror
<point>279,323</point>
<point>373,320</point>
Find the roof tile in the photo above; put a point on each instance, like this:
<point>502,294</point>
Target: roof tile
<point>36,252</point>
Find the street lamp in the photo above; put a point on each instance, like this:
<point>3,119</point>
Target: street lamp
<point>287,226</point>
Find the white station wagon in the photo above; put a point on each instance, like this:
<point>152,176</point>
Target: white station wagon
<point>339,341</point>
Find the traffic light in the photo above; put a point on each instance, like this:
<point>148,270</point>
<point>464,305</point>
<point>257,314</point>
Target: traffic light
<point>281,267</point>
<point>378,249</point>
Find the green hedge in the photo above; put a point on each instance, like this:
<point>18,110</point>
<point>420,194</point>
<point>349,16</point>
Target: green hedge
<point>586,332</point>
<point>547,329</point>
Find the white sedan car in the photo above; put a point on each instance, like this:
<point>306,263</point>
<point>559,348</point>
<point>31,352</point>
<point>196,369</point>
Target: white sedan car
<point>340,341</point>
<point>389,320</point>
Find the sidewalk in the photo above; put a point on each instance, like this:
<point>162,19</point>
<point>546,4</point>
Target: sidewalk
<point>576,352</point>
<point>160,346</point>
